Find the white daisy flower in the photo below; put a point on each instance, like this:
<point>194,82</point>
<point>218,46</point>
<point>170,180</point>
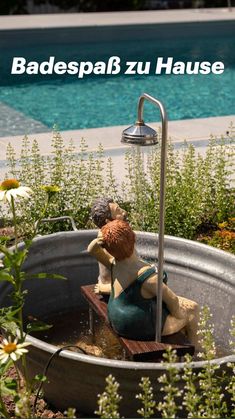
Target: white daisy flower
<point>10,188</point>
<point>12,350</point>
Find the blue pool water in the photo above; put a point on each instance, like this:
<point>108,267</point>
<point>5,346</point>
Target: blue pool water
<point>107,102</point>
<point>97,101</point>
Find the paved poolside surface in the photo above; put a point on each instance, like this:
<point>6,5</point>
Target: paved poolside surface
<point>195,131</point>
<point>116,18</point>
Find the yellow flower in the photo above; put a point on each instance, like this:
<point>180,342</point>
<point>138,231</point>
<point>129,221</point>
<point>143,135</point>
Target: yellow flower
<point>223,225</point>
<point>12,350</point>
<point>10,188</point>
<point>51,189</point>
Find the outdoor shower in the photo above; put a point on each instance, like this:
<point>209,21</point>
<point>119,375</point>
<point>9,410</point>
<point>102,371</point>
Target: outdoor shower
<point>143,135</point>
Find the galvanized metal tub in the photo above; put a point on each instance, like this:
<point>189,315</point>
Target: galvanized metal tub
<point>196,271</point>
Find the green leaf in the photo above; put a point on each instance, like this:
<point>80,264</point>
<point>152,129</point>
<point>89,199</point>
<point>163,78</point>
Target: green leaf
<point>9,320</point>
<point>10,383</point>
<point>19,257</point>
<point>22,276</point>
<point>4,239</point>
<point>8,387</point>
<point>37,326</point>
<point>4,250</point>
<point>7,261</point>
<point>4,367</point>
<point>43,275</point>
<point>40,377</point>
<point>28,243</point>
<point>9,312</point>
<point>9,326</point>
<point>6,276</point>
<point>13,310</point>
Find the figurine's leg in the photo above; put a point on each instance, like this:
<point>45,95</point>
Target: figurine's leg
<point>191,308</point>
<point>173,325</point>
<point>188,322</point>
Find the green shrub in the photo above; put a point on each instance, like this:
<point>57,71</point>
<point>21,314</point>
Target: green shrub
<point>204,393</point>
<point>170,405</point>
<point>108,401</point>
<point>199,189</point>
<point>146,398</point>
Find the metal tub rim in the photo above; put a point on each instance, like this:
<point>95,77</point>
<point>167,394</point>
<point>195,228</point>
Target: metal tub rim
<point>47,347</point>
<point>208,250</point>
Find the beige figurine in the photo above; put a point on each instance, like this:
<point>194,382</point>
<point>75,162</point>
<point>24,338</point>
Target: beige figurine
<point>103,211</point>
<point>132,301</point>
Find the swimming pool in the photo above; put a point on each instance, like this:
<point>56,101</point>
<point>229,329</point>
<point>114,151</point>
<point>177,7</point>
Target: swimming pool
<point>98,101</point>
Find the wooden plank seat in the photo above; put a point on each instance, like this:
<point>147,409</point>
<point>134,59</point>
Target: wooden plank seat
<point>137,350</point>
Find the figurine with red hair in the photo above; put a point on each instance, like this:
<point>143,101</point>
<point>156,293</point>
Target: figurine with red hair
<point>132,301</point>
<point>104,210</point>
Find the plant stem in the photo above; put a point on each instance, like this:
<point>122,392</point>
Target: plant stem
<point>14,221</point>
<point>18,376</point>
<point>24,365</point>
<point>43,213</point>
<point>20,317</point>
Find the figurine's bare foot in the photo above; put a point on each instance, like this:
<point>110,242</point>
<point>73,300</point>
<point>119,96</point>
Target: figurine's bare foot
<point>102,288</point>
<point>97,288</point>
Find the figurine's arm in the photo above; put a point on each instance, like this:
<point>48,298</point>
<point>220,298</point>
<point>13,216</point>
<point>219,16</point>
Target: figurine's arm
<point>99,253</point>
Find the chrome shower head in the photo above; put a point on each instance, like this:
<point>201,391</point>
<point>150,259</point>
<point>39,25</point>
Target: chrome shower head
<point>139,134</point>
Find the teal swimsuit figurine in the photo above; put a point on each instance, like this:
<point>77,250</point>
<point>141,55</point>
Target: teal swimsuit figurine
<point>133,316</point>
<point>132,289</point>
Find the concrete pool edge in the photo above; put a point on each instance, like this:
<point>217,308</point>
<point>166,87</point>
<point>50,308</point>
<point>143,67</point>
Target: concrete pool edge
<point>115,18</point>
<point>194,130</point>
